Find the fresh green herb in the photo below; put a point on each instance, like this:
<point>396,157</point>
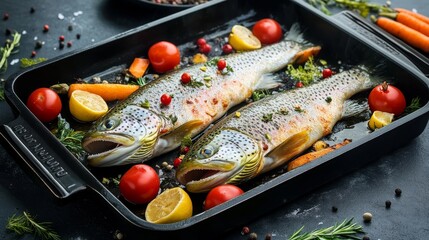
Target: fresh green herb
<point>146,104</point>
<point>283,111</point>
<point>141,81</point>
<point>268,136</point>
<point>328,99</point>
<point>414,105</point>
<point>7,50</point>
<point>186,141</point>
<point>70,138</point>
<point>27,62</point>
<point>305,74</point>
<point>267,117</point>
<point>259,94</point>
<point>27,224</point>
<point>345,230</point>
<point>212,62</point>
<point>114,180</point>
<point>2,90</point>
<point>173,119</point>
<point>361,6</point>
<point>195,84</point>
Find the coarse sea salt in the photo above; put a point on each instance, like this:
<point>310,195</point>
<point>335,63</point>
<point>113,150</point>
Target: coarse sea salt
<point>60,16</point>
<point>14,61</point>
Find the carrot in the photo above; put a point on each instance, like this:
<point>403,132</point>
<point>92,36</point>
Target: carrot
<point>138,67</point>
<point>306,158</point>
<point>407,34</point>
<point>410,21</point>
<point>414,14</point>
<point>108,91</point>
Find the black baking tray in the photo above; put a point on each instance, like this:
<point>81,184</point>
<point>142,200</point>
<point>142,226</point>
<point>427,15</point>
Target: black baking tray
<point>67,178</point>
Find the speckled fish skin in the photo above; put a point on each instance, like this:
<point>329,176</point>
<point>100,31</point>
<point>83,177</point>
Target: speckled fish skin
<point>239,148</point>
<point>132,132</point>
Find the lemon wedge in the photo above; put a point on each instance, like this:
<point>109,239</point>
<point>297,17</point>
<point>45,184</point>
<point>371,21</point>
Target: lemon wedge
<point>172,205</point>
<point>380,119</point>
<point>86,106</point>
<point>242,39</point>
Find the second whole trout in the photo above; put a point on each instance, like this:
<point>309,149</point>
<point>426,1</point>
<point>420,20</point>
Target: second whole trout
<point>140,127</point>
<point>269,132</point>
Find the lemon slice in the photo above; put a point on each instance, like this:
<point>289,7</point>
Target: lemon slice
<point>380,119</point>
<point>242,39</point>
<point>173,205</point>
<point>86,106</point>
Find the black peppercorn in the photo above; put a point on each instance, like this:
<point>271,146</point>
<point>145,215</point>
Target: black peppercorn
<point>365,238</point>
<point>334,209</point>
<point>8,31</point>
<point>5,16</point>
<point>32,10</point>
<point>268,236</point>
<point>70,27</point>
<point>39,44</point>
<point>398,192</point>
<point>388,203</point>
<point>78,36</point>
<point>62,45</point>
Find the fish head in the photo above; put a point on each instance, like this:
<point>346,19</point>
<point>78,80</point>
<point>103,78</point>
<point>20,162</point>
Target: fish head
<point>220,157</point>
<point>124,136</point>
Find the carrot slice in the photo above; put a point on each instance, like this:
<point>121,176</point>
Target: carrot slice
<point>407,34</point>
<point>108,91</point>
<point>306,158</point>
<point>138,67</point>
<point>414,14</point>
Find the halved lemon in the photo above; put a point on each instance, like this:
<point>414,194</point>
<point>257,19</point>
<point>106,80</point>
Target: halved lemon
<point>172,205</point>
<point>380,119</point>
<point>242,39</point>
<point>86,106</point>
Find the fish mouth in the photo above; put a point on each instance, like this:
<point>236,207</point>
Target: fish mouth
<point>202,179</point>
<point>107,149</point>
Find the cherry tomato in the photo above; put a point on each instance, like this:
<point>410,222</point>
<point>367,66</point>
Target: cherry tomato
<point>206,48</point>
<point>227,48</point>
<point>45,104</point>
<point>177,162</point>
<point>140,184</point>
<point>165,99</point>
<point>299,84</point>
<point>221,194</point>
<point>185,78</point>
<point>387,98</point>
<point>201,42</point>
<point>326,73</point>
<point>267,30</point>
<point>164,56</point>
<point>221,64</point>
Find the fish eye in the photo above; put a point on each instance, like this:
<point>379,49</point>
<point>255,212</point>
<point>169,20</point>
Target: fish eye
<point>109,123</point>
<point>207,151</point>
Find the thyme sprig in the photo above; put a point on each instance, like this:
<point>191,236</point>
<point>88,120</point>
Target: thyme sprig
<point>7,50</point>
<point>345,230</point>
<point>70,138</point>
<point>27,224</point>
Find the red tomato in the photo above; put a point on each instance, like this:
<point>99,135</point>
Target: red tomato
<point>267,31</point>
<point>387,98</point>
<point>164,56</point>
<point>45,104</point>
<point>221,194</point>
<point>140,184</point>
<point>326,73</point>
<point>165,99</point>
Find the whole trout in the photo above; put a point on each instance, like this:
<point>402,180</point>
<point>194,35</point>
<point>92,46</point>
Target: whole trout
<point>269,132</point>
<point>140,127</point>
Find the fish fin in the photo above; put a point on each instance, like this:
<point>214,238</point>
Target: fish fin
<point>268,81</point>
<point>295,34</point>
<point>186,129</point>
<point>302,56</point>
<point>355,107</point>
<point>288,149</point>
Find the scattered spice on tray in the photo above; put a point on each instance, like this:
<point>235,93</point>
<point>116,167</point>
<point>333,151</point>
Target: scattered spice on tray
<point>388,203</point>
<point>27,224</point>
<point>367,217</point>
<point>398,192</point>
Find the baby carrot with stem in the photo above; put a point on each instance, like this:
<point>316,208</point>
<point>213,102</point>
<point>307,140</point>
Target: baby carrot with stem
<point>410,21</point>
<point>414,14</point>
<point>108,91</point>
<point>407,34</point>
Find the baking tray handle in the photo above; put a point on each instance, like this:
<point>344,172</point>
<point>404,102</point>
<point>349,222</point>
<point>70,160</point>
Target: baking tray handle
<point>42,156</point>
<point>369,32</point>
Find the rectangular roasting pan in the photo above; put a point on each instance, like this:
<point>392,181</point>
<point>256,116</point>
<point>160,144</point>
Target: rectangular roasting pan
<point>344,36</point>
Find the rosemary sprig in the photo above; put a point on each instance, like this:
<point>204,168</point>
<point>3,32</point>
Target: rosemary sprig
<point>362,6</point>
<point>413,106</point>
<point>345,230</point>
<point>2,89</point>
<point>27,224</point>
<point>7,50</point>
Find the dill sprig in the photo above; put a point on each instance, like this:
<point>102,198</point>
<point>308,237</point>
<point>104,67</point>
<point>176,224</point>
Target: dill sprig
<point>345,230</point>
<point>70,138</point>
<point>7,50</point>
<point>27,224</point>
